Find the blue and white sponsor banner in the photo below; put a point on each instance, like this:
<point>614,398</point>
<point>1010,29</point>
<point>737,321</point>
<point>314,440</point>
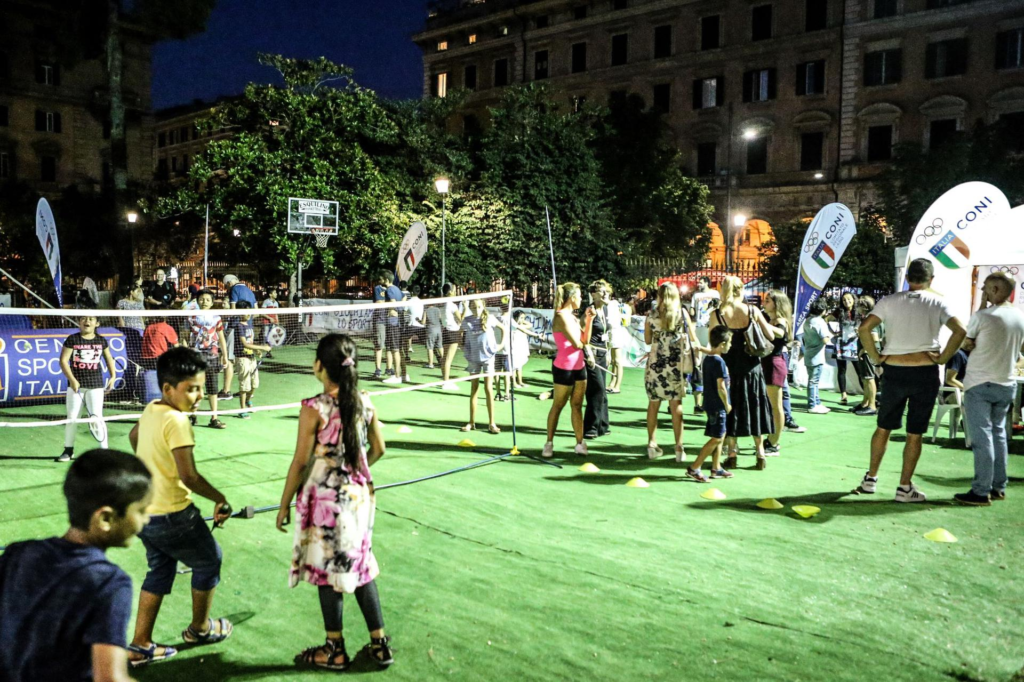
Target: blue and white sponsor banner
<point>826,240</point>
<point>46,231</point>
<point>412,250</point>
<point>30,361</point>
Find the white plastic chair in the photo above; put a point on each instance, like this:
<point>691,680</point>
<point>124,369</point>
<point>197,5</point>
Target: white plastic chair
<point>954,411</point>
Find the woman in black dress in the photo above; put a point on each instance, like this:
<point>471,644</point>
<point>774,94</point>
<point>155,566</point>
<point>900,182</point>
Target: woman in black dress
<point>595,419</point>
<point>751,413</point>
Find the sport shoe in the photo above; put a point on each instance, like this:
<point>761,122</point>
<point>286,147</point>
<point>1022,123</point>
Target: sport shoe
<point>698,409</point>
<point>680,455</point>
<point>910,493</point>
<point>793,427</point>
<point>376,374</point>
<point>389,373</point>
<point>225,395</point>
<point>771,450</point>
<point>244,415</point>
<point>66,456</point>
<point>972,500</point>
<point>653,451</point>
<point>867,485</point>
<point>997,495</point>
<point>449,387</point>
<point>549,450</point>
<point>865,412</point>
<point>392,380</point>
<point>581,449</point>
<point>819,409</point>
<point>407,379</point>
<point>696,475</point>
<point>429,366</point>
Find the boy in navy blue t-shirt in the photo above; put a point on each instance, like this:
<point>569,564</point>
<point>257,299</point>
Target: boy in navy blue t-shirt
<point>716,404</point>
<point>64,607</point>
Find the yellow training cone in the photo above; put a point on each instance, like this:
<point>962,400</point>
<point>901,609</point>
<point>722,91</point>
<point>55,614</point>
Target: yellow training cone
<point>404,429</point>
<point>770,503</point>
<point>589,468</point>
<point>635,482</point>
<point>940,535</point>
<point>713,494</point>
<point>466,443</point>
<point>806,510</point>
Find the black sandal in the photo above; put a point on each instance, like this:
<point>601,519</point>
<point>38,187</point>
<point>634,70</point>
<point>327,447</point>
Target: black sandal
<point>380,652</point>
<point>333,648</point>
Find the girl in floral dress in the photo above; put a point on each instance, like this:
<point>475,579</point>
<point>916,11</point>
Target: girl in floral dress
<point>339,439</point>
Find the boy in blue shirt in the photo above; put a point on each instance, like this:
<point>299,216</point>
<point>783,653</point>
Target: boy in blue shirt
<point>716,405</point>
<point>64,607</point>
<point>246,365</point>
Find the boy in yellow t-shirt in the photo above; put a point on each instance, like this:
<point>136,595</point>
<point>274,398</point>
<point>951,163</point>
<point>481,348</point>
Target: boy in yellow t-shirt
<point>163,440</point>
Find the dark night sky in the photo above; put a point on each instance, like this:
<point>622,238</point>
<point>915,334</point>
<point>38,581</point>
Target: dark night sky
<point>371,36</point>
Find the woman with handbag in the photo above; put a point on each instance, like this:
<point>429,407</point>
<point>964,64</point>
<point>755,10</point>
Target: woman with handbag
<point>751,413</point>
<point>670,334</point>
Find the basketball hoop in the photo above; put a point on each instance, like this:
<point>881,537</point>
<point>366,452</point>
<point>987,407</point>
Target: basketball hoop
<point>322,234</point>
<point>317,217</point>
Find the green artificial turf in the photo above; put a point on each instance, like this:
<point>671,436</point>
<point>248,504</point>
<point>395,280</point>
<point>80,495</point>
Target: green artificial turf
<point>518,570</point>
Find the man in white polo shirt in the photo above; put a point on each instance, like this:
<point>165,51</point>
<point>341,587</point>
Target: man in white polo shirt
<point>911,362</point>
<point>995,335</point>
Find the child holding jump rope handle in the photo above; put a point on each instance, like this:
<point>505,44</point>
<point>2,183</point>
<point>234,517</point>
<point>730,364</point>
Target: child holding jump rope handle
<point>80,362</point>
<point>339,440</point>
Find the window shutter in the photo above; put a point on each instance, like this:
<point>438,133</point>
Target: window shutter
<point>40,121</point>
<point>719,91</point>
<point>56,122</point>
<point>771,84</point>
<point>801,79</point>
<point>748,85</point>
<point>698,93</point>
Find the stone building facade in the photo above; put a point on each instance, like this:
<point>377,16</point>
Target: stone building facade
<point>52,110</point>
<point>179,137</point>
<point>779,106</point>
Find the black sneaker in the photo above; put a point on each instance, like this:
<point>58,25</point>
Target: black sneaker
<point>970,499</point>
<point>698,409</point>
<point>771,450</point>
<point>793,427</point>
<point>997,495</point>
<point>865,412</point>
<point>66,456</point>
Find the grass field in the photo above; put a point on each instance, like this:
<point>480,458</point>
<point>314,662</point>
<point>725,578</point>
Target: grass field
<point>518,570</point>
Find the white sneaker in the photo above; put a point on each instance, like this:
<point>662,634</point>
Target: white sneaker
<point>406,379</point>
<point>392,380</point>
<point>680,454</point>
<point>867,485</point>
<point>653,451</point>
<point>549,450</point>
<point>819,409</point>
<point>581,449</point>
<point>910,493</point>
<point>449,387</point>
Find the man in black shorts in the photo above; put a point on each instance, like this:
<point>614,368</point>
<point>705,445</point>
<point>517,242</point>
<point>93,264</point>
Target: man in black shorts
<point>910,369</point>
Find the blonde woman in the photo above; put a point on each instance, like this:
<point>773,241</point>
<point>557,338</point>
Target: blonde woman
<point>618,316</point>
<point>568,368</point>
<point>670,334</point>
<point>751,413</point>
<point>780,319</point>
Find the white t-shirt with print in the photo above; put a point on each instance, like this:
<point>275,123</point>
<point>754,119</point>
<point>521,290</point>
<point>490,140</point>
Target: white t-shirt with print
<point>913,320</point>
<point>998,333</point>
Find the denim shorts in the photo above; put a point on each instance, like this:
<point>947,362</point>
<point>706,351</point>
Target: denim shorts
<point>182,536</point>
<point>716,424</point>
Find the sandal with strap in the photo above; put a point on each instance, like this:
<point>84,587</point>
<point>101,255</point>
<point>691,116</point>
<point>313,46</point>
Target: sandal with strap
<point>380,651</point>
<point>493,428</point>
<point>334,651</point>
<point>149,654</point>
<point>730,462</point>
<point>217,424</point>
<point>216,634</point>
<point>696,475</point>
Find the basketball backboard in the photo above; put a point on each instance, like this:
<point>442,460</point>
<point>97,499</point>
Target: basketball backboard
<point>306,216</point>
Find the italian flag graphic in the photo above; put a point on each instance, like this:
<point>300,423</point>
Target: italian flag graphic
<point>951,251</point>
<point>410,260</point>
<point>825,256</point>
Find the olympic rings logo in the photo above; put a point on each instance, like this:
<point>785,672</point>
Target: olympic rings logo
<point>1008,269</point>
<point>812,241</point>
<point>931,231</point>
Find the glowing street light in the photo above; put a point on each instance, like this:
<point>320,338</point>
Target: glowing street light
<point>819,176</point>
<point>132,216</point>
<point>749,133</point>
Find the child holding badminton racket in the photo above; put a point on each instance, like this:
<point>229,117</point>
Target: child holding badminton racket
<point>339,440</point>
<point>80,362</point>
<point>480,348</point>
<point>246,366</point>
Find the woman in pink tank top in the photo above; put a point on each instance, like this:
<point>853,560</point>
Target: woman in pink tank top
<point>568,372</point>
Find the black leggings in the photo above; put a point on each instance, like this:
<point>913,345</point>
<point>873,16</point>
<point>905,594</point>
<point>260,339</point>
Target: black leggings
<point>841,374</point>
<point>332,603</point>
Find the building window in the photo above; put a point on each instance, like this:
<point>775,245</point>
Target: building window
<point>757,155</point>
<point>47,73</point>
<point>616,99</point>
<point>708,92</point>
<point>441,87</point>
<point>759,85</point>
<point>707,157</point>
<point>174,164</point>
<point>471,39</point>
<point>1013,130</point>
<point>183,134</point>
<point>946,58</point>
<point>541,21</point>
<point>5,166</point>
<point>761,22</point>
<point>941,131</point>
<point>540,65</point>
<point>879,143</point>
<point>184,163</point>
<point>469,77</point>
<point>938,4</point>
<point>161,169</point>
<point>662,97</point>
<point>620,4</point>
<point>812,151</point>
<point>579,57</point>
<point>48,121</point>
<point>810,78</point>
<point>161,140</point>
<point>48,169</point>
<point>886,8</point>
<point>883,67</point>
<point>816,15</point>
<point>579,12</point>
<point>5,116</point>
<point>500,72</point>
<point>442,45</point>
<point>662,42</point>
<point>710,32</point>
<point>620,49</point>
<point>1010,49</point>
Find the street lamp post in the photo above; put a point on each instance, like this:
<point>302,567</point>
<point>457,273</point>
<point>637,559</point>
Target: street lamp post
<point>132,218</point>
<point>442,185</point>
